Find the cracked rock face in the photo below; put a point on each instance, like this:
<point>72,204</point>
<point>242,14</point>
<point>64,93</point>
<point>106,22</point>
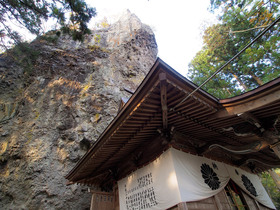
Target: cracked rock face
<point>49,117</point>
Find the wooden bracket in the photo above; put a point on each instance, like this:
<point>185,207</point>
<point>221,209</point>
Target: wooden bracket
<point>204,149</point>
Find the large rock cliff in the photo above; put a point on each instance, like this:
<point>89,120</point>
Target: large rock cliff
<point>51,113</point>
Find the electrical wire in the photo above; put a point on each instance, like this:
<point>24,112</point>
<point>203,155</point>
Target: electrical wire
<point>229,61</point>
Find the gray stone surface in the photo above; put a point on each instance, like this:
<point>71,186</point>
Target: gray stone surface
<point>49,118</point>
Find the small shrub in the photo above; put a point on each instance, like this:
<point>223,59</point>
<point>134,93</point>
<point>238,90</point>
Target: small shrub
<point>25,56</point>
<point>97,38</point>
<point>93,47</point>
<point>50,38</point>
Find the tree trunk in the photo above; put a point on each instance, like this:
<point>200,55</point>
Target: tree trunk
<point>275,177</point>
<point>240,82</point>
<point>256,78</point>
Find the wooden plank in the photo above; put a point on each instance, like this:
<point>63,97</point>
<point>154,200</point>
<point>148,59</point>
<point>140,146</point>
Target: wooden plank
<point>218,202</point>
<point>201,206</point>
<point>208,204</point>
<point>182,206</point>
<point>226,206</point>
<point>250,202</point>
<point>222,201</point>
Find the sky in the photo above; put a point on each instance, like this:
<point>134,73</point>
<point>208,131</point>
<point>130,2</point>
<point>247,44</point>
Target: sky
<point>177,24</point>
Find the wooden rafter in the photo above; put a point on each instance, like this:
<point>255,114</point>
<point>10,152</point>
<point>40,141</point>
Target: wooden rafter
<point>129,139</point>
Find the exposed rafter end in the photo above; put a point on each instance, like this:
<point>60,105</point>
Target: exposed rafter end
<point>69,183</point>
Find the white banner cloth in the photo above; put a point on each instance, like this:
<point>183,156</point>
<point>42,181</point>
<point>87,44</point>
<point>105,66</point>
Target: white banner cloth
<point>198,177</point>
<point>152,187</point>
<point>177,177</point>
<point>251,184</point>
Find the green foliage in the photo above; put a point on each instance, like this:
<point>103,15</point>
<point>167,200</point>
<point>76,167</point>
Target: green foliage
<point>97,38</point>
<point>31,14</point>
<point>271,188</point>
<point>103,24</point>
<point>95,48</point>
<point>240,22</point>
<point>24,55</point>
<point>50,38</point>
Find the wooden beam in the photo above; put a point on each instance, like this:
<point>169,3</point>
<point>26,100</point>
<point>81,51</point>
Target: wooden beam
<point>207,126</point>
<point>242,149</point>
<point>184,141</point>
<point>249,117</point>
<point>148,154</point>
<point>234,151</point>
<point>246,159</point>
<point>276,148</point>
<point>163,98</point>
<point>239,108</point>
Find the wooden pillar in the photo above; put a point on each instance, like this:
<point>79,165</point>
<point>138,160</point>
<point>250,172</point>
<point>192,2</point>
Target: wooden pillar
<point>116,197</point>
<point>92,202</point>
<point>163,98</point>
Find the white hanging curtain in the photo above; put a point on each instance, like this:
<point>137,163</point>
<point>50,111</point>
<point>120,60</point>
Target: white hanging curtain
<point>198,177</point>
<point>251,184</point>
<point>154,186</point>
<point>177,177</point>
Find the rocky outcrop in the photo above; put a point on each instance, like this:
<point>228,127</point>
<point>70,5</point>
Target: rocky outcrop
<point>50,115</point>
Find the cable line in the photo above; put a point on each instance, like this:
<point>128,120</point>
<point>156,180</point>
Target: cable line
<point>222,67</point>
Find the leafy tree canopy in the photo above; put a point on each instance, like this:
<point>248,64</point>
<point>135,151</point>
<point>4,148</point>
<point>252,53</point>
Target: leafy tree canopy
<point>271,187</point>
<point>71,15</point>
<point>240,22</point>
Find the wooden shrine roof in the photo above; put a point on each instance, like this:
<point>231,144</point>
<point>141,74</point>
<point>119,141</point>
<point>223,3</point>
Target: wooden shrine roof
<point>239,131</point>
